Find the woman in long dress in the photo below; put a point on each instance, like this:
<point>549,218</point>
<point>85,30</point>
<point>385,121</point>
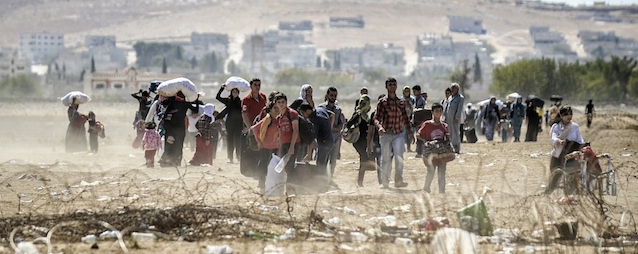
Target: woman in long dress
<point>75,140</point>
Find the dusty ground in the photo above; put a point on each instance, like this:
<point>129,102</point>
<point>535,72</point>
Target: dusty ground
<point>42,186</point>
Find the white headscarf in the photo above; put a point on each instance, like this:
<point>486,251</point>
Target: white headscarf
<point>209,108</point>
<point>302,92</point>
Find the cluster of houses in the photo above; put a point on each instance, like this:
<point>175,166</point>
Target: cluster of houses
<point>267,52</point>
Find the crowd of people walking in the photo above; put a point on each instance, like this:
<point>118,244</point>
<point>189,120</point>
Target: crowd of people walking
<point>308,130</point>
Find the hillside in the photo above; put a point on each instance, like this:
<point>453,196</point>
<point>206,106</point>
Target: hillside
<point>397,22</point>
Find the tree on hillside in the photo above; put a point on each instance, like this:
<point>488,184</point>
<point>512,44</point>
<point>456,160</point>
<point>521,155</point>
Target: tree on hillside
<point>92,64</point>
<point>164,67</point>
<point>193,62</point>
<point>623,68</point>
<point>478,74</point>
<point>20,85</point>
<point>460,76</point>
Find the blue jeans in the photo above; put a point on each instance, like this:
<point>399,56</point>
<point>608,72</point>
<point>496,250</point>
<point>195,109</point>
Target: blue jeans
<point>392,144</point>
<point>430,176</point>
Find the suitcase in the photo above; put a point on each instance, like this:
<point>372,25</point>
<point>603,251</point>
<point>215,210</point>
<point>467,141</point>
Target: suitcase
<point>470,135</point>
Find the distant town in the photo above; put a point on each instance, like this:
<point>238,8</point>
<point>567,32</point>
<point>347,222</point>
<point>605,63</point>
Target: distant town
<point>100,68</point>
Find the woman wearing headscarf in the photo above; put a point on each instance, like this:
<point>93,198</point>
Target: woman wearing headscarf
<point>490,118</point>
<point>360,118</point>
<point>203,139</point>
<point>305,94</point>
<point>75,140</point>
<point>234,121</point>
<point>267,133</point>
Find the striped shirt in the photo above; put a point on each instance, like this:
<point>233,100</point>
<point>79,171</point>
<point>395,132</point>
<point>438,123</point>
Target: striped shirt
<point>391,115</point>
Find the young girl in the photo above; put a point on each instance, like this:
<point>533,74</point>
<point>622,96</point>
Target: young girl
<point>94,132</point>
<point>432,130</point>
<point>204,144</point>
<point>151,141</point>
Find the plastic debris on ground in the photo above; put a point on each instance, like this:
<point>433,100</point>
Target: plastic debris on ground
<point>219,249</point>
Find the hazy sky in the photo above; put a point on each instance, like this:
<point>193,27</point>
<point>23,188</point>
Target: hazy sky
<point>591,2</point>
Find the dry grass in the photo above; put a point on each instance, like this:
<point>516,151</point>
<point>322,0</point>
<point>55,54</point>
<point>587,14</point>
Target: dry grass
<point>187,207</point>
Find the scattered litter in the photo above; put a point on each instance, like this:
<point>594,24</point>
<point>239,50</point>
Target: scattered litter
<point>348,162</point>
<point>89,239</point>
<point>403,208</point>
<point>511,235</point>
<point>142,237</point>
<point>109,234</point>
<point>325,211</point>
<point>349,211</point>
<point>355,237</point>
<point>96,183</point>
<point>472,154</point>
<point>334,220</point>
<point>401,240</point>
<point>289,234</point>
<point>219,249</point>
<point>268,208</point>
<point>131,156</point>
<point>489,165</point>
<point>26,201</point>
<point>28,177</point>
<point>388,221</point>
<point>104,198</point>
<point>626,154</point>
<point>272,249</point>
<point>346,247</point>
<point>535,155</point>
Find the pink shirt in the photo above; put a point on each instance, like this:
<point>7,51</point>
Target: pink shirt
<point>431,131</point>
<point>151,140</point>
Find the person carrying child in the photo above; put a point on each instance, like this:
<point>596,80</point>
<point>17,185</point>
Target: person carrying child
<point>96,129</point>
<point>151,142</point>
<point>434,130</point>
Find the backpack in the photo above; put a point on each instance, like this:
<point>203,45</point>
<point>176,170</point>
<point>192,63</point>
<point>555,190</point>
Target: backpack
<point>250,135</point>
<point>306,130</point>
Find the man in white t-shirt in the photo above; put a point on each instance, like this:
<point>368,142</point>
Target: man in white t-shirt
<point>192,131</point>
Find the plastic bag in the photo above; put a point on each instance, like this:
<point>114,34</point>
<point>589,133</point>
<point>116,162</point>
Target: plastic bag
<point>171,87</point>
<point>237,82</point>
<point>276,181</point>
<point>79,97</point>
<point>282,163</point>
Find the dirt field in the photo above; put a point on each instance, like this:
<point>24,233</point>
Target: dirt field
<point>189,208</point>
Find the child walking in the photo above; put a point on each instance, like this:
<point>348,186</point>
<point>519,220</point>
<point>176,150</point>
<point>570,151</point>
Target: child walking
<point>151,141</point>
<point>96,129</point>
<point>432,130</point>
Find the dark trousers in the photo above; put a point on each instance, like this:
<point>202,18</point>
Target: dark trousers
<point>323,156</point>
<point>462,131</point>
<point>93,144</point>
<point>172,156</point>
<point>234,143</point>
<point>360,146</point>
<point>532,132</point>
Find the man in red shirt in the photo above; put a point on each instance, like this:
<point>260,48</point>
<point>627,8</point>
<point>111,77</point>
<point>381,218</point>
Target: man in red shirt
<point>252,104</point>
<point>391,118</point>
<point>288,122</point>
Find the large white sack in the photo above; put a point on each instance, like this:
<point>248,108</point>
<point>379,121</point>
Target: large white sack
<point>79,97</point>
<point>171,87</point>
<point>454,241</point>
<point>275,181</point>
<point>237,82</point>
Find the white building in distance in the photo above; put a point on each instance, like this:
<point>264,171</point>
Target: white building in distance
<point>36,46</point>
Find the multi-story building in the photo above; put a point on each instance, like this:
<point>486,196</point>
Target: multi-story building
<point>551,44</point>
<point>462,24</point>
<point>11,65</point>
<point>599,44</point>
<point>107,41</point>
<point>274,50</point>
<point>36,46</point>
